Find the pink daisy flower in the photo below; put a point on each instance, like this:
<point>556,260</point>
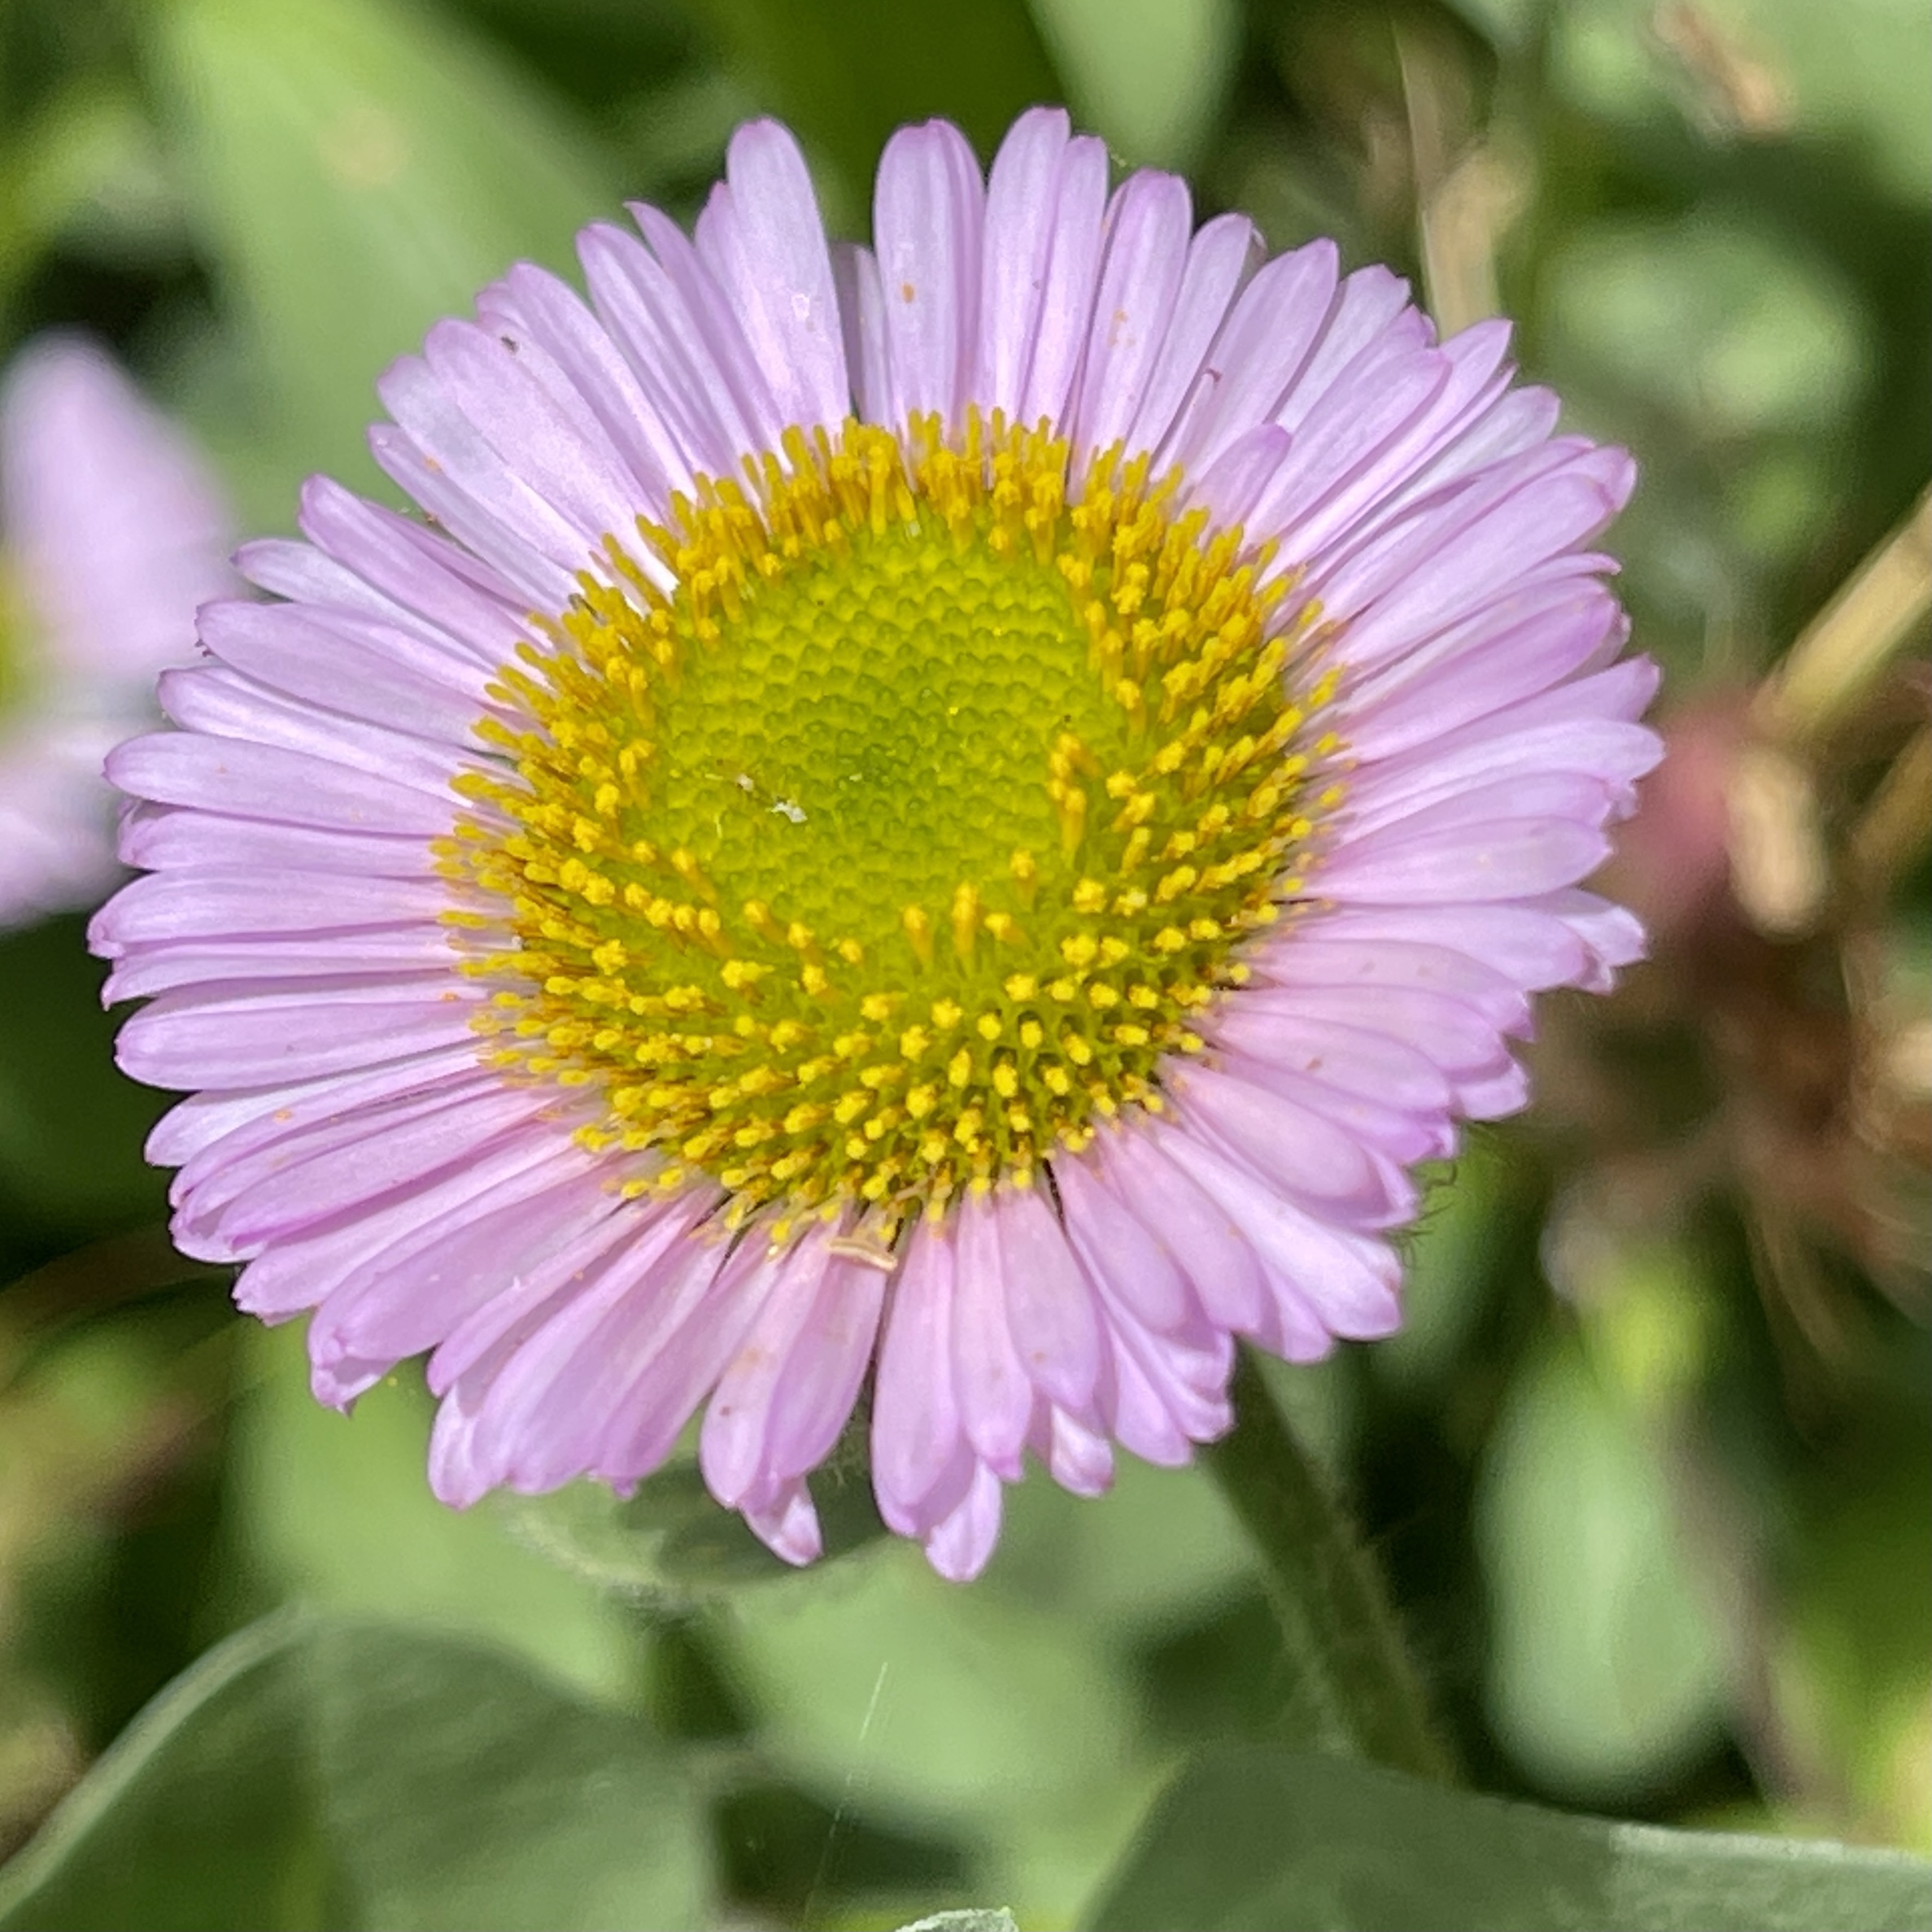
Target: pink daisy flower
<point>956,814</point>
<point>113,532</point>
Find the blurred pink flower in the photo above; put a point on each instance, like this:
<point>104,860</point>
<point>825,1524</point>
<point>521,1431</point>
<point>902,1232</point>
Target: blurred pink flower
<point>112,534</point>
<point>959,814</point>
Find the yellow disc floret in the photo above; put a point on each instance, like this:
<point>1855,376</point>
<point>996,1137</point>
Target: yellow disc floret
<point>894,847</point>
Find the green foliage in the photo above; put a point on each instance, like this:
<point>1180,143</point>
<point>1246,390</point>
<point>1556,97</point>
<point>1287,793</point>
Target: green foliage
<point>359,170</point>
<point>70,1126</point>
<point>315,1772</point>
<point>1608,1669</point>
<point>85,170</point>
<point>1267,1840</point>
<point>970,1920</point>
<point>333,1511</point>
<point>846,72</point>
<point>669,1544</point>
<point>1853,75</point>
<point>1152,75</point>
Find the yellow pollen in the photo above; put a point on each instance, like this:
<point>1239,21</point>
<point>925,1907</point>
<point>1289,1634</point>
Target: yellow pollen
<point>896,847</point>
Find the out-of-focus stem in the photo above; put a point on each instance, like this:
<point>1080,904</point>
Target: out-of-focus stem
<point>1846,646</point>
<point>1466,201</point>
<point>1355,1690</point>
<point>1896,823</point>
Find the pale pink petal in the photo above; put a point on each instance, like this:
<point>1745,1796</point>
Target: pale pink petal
<point>1049,1313</point>
<point>788,1525</point>
<point>916,1431</point>
<point>1141,277</point>
<point>960,1545</point>
<point>761,237</point>
<point>926,224</point>
<point>995,1395</point>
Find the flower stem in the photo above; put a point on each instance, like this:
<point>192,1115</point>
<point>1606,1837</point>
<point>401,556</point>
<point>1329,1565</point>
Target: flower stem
<point>1354,1691</point>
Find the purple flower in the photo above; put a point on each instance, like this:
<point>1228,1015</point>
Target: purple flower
<point>960,813</point>
<point>113,533</point>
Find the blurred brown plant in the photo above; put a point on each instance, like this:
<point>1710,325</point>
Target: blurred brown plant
<point>1766,860</point>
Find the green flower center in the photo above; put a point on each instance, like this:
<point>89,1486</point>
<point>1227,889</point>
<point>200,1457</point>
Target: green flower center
<point>896,846</point>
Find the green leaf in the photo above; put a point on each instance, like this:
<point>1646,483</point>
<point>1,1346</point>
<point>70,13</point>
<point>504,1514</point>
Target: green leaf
<point>975,1919</point>
<point>71,1125</point>
<point>336,1509</point>
<point>1849,1671</point>
<point>1472,1220</point>
<point>1264,1839</point>
<point>952,1711</point>
<point>846,72</point>
<point>1152,75</point>
<point>1606,1671</point>
<point>316,1773</point>
<point>360,169</point>
<point>1716,318</point>
<point>84,167</point>
<point>946,1700</point>
<point>1852,74</point>
<point>672,1543</point>
<point>1162,1549</point>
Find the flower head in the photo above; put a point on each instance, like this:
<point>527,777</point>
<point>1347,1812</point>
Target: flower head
<point>113,533</point>
<point>961,812</point>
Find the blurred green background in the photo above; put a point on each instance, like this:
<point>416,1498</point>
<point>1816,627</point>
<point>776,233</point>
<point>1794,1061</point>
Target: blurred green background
<point>1650,1469</point>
